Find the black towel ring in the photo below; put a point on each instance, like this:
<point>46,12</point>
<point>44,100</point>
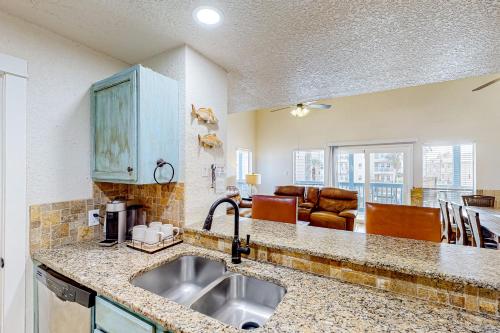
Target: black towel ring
<point>159,164</point>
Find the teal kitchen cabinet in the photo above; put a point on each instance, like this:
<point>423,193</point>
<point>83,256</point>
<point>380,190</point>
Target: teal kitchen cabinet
<point>134,123</point>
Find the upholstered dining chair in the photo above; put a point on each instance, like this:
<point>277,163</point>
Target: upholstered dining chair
<point>462,237</point>
<point>448,230</point>
<point>478,239</point>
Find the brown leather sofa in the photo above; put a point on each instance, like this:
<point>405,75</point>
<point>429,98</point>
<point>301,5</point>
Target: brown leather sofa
<point>306,203</point>
<point>275,208</point>
<point>336,209</point>
<point>421,223</point>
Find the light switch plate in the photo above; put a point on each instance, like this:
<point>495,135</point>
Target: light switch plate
<point>93,220</point>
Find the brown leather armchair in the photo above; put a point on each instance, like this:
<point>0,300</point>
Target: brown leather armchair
<point>337,209</point>
<point>306,204</point>
<point>274,208</point>
<point>244,205</point>
<point>421,223</point>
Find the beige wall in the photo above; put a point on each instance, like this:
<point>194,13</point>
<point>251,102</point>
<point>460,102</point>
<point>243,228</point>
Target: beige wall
<point>240,134</point>
<point>60,73</point>
<point>438,113</point>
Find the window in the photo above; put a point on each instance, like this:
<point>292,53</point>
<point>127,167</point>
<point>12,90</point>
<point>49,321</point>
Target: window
<point>448,172</point>
<point>378,173</point>
<point>309,167</point>
<point>243,167</point>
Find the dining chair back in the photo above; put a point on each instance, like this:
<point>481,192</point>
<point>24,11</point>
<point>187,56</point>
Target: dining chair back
<point>461,237</point>
<point>446,228</point>
<point>479,200</point>
<point>475,225</point>
<point>478,232</point>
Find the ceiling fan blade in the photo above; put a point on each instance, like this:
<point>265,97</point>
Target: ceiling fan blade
<point>309,103</point>
<point>486,84</point>
<point>288,107</point>
<point>319,106</point>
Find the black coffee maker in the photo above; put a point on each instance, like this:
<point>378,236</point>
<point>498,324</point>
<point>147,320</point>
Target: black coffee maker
<point>136,215</point>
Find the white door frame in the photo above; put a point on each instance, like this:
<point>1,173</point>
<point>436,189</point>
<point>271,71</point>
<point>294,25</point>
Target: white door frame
<point>13,205</point>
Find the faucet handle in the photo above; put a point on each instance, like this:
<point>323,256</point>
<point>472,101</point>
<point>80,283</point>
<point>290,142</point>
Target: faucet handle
<point>248,239</point>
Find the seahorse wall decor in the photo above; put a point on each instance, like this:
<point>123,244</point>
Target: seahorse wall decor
<point>209,141</point>
<point>206,115</point>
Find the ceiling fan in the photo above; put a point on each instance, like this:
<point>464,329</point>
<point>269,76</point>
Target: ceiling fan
<point>302,109</point>
<point>487,84</point>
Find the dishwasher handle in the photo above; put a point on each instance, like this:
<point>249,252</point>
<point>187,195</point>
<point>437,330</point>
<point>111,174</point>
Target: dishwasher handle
<point>64,288</point>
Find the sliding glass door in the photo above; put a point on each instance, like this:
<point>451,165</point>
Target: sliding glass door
<point>380,174</point>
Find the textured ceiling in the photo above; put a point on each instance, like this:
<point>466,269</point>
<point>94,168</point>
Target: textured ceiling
<point>278,52</point>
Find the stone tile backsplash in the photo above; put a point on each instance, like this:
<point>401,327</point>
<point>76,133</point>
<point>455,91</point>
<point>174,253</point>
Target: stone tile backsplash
<point>59,223</point>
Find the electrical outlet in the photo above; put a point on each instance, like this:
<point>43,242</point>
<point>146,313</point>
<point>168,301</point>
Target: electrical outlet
<point>93,220</point>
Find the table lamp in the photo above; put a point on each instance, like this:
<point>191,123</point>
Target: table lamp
<point>252,179</point>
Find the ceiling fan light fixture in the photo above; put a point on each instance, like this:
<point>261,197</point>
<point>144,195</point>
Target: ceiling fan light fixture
<point>300,112</point>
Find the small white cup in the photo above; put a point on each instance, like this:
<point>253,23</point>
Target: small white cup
<point>156,226</point>
<point>152,236</point>
<point>169,230</point>
<point>138,233</point>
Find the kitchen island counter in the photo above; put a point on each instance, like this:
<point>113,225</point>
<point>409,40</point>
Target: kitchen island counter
<point>311,304</point>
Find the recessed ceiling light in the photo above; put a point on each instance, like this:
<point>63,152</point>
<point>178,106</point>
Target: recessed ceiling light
<point>206,15</point>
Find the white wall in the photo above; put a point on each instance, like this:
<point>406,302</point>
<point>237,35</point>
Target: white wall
<point>240,134</point>
<point>438,113</point>
<point>60,74</point>
<point>204,84</point>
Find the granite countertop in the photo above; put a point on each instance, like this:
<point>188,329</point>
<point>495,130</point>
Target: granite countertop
<point>311,304</point>
<point>455,263</point>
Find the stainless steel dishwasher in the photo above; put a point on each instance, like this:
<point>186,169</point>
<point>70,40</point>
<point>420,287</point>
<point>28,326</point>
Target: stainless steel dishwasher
<point>62,305</point>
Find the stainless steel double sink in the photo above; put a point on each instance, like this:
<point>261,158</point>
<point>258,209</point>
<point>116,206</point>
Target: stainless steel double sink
<point>206,286</point>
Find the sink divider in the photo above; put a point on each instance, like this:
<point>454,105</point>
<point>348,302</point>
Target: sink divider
<point>210,286</point>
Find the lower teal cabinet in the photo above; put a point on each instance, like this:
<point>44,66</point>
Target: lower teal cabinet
<point>113,318</point>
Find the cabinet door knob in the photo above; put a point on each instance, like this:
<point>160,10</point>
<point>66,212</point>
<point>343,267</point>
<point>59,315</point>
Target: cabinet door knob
<point>2,263</point>
<point>130,169</point>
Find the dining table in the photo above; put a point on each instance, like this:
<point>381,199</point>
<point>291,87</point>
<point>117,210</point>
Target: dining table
<point>490,219</point>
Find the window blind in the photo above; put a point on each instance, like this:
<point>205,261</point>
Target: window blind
<point>448,172</point>
<point>243,167</point>
<point>309,167</point>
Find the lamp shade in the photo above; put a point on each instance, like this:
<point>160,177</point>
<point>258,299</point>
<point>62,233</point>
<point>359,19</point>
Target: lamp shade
<point>253,179</point>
